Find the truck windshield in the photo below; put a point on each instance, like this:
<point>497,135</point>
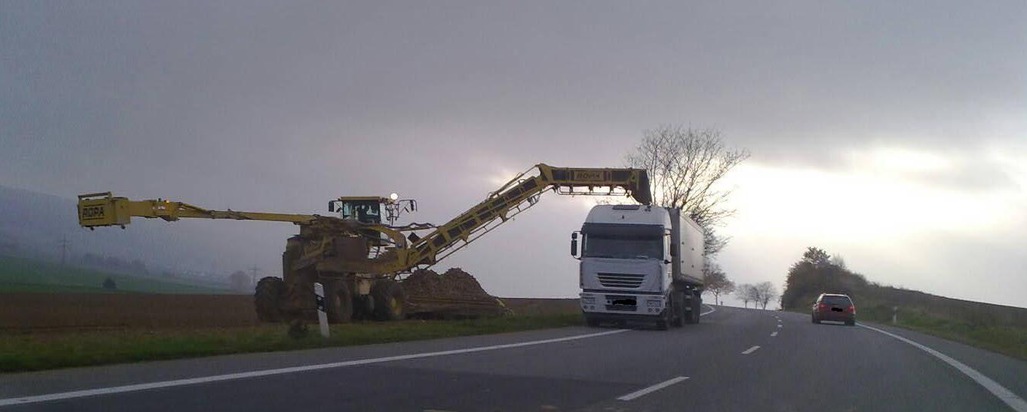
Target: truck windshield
<point>624,248</point>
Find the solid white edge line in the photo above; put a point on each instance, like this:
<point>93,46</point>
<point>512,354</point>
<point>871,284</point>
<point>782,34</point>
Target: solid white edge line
<point>1005,395</point>
<point>773,334</point>
<point>750,350</point>
<point>254,374</point>
<point>712,309</point>
<point>651,389</point>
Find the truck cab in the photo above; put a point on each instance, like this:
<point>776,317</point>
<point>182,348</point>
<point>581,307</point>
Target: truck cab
<point>639,263</point>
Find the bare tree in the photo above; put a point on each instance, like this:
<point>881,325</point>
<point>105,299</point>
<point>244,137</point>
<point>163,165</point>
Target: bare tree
<point>747,293</point>
<point>838,260</point>
<point>764,293</point>
<point>717,282</point>
<point>684,167</point>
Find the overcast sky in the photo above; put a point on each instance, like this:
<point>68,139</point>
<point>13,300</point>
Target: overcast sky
<point>894,135</point>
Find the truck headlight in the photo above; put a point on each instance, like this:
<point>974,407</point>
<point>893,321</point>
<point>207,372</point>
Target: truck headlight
<point>588,300</point>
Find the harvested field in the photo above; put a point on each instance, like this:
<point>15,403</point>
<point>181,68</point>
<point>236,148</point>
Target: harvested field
<point>60,311</point>
<point>85,311</point>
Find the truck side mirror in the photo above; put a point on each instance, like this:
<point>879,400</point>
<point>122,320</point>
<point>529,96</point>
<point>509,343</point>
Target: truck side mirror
<point>331,205</point>
<point>674,249</point>
<point>574,244</point>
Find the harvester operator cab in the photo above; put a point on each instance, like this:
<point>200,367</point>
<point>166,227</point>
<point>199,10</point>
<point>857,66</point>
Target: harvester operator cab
<point>372,210</point>
<point>363,209</point>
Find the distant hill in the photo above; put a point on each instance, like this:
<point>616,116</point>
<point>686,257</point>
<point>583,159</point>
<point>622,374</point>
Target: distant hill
<point>27,275</point>
<point>33,225</point>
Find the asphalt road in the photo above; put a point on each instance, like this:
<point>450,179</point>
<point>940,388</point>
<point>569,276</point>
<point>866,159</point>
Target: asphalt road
<point>736,359</point>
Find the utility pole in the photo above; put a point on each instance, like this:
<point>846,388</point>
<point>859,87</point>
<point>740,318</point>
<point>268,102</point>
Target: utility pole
<point>64,249</point>
<point>253,275</point>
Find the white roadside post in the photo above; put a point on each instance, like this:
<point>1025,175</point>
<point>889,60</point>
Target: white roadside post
<point>322,317</point>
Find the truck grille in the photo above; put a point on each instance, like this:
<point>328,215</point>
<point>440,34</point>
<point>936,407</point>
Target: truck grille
<point>620,280</point>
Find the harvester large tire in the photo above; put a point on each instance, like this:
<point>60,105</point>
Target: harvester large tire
<point>268,298</point>
<point>338,301</point>
<point>389,300</point>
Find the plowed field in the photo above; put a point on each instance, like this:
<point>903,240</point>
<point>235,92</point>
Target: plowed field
<point>84,311</point>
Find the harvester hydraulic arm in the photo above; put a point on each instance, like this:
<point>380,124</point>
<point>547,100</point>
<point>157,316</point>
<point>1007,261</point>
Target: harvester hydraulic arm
<point>519,194</point>
<point>103,209</point>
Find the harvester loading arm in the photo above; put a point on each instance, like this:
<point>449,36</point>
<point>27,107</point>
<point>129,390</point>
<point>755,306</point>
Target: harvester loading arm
<point>516,196</point>
<point>103,209</point>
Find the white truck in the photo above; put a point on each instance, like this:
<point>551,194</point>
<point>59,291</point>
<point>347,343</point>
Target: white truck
<point>640,263</point>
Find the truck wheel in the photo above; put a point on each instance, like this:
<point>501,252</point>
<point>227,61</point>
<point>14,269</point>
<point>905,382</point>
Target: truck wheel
<point>389,300</point>
<point>688,309</point>
<point>268,299</point>
<point>338,301</point>
<point>677,307</point>
<point>696,308</point>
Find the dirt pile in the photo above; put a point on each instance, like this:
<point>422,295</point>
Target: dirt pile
<point>455,283</point>
<point>454,293</point>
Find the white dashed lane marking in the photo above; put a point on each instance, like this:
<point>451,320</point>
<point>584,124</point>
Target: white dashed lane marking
<point>652,389</point>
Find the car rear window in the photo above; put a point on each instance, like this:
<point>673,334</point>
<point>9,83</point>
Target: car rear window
<point>836,301</point>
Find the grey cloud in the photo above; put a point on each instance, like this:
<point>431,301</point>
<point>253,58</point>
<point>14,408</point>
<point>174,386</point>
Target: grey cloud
<point>278,106</point>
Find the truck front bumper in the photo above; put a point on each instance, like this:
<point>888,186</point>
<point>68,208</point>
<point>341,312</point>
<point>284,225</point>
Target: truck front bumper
<point>615,303</point>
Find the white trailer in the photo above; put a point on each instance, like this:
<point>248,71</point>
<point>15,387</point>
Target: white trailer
<point>640,263</point>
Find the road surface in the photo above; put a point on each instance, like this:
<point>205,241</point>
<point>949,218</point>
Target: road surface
<point>736,359</point>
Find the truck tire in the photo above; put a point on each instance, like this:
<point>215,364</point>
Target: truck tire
<point>689,312</point>
<point>696,307</point>
<point>268,299</point>
<point>389,300</point>
<point>677,305</point>
<point>338,301</point>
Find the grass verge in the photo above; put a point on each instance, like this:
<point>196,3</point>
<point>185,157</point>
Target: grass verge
<point>1010,341</point>
<point>52,350</point>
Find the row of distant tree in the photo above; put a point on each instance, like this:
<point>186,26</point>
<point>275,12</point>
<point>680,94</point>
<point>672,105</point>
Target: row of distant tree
<point>818,272</point>
<point>112,264</point>
<point>717,283</point>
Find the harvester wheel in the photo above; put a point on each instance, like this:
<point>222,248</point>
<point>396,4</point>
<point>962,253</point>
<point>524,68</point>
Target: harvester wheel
<point>389,300</point>
<point>268,299</point>
<point>338,301</point>
<point>363,307</point>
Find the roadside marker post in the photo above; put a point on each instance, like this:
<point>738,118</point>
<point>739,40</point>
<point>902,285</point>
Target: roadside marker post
<point>322,316</point>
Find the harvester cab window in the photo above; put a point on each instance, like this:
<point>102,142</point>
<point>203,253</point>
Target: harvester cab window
<point>362,211</point>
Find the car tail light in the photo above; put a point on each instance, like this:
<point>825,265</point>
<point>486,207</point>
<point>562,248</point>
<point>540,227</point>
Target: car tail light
<point>822,306</point>
<point>851,309</point>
